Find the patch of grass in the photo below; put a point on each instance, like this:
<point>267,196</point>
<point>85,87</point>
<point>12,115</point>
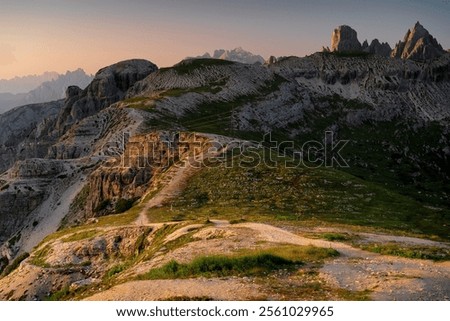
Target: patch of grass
<point>246,263</point>
<point>187,66</point>
<point>141,241</point>
<point>139,102</point>
<point>348,295</point>
<point>158,240</point>
<point>126,218</point>
<point>335,237</point>
<point>180,241</point>
<point>15,264</point>
<point>39,257</point>
<point>60,294</point>
<point>409,251</point>
<point>78,236</point>
<point>177,92</point>
<point>116,269</point>
<point>137,99</point>
<point>238,221</point>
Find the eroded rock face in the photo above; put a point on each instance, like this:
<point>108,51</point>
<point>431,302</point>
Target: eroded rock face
<point>345,39</point>
<point>418,45</point>
<point>37,168</point>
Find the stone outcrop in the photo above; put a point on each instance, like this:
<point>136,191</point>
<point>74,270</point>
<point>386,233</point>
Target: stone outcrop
<point>110,85</point>
<point>271,60</point>
<point>377,48</point>
<point>345,39</point>
<point>418,45</point>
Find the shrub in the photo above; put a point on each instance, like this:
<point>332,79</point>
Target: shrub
<point>123,205</point>
<point>102,206</point>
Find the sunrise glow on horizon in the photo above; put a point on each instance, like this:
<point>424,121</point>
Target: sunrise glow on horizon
<point>55,35</point>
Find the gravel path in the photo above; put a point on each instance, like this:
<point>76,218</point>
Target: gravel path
<point>217,289</point>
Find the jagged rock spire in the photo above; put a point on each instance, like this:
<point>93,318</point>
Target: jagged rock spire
<point>345,38</point>
<point>418,44</point>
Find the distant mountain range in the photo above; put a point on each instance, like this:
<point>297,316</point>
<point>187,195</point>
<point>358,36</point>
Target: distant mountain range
<point>237,55</point>
<point>25,84</point>
<point>45,91</point>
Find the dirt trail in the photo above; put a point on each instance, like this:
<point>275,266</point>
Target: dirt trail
<point>219,289</point>
<point>387,277</point>
<point>174,180</point>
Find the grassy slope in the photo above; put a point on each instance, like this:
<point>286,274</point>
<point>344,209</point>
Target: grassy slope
<point>301,194</point>
<point>403,163</point>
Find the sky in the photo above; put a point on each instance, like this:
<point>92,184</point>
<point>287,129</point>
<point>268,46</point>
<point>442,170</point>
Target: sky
<point>60,35</point>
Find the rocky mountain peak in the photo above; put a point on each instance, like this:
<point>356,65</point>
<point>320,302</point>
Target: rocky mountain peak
<point>345,38</point>
<point>378,48</point>
<point>109,85</point>
<point>418,44</point>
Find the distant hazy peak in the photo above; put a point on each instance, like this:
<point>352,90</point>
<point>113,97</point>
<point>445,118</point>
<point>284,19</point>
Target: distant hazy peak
<point>46,91</point>
<point>238,55</point>
<point>24,84</point>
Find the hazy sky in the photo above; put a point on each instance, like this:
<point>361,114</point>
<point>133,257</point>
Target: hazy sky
<point>60,35</point>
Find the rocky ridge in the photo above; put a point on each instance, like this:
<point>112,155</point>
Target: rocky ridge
<point>418,45</point>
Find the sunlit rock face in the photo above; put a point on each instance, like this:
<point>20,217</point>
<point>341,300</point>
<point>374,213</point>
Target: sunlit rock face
<point>418,45</point>
<point>345,38</point>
